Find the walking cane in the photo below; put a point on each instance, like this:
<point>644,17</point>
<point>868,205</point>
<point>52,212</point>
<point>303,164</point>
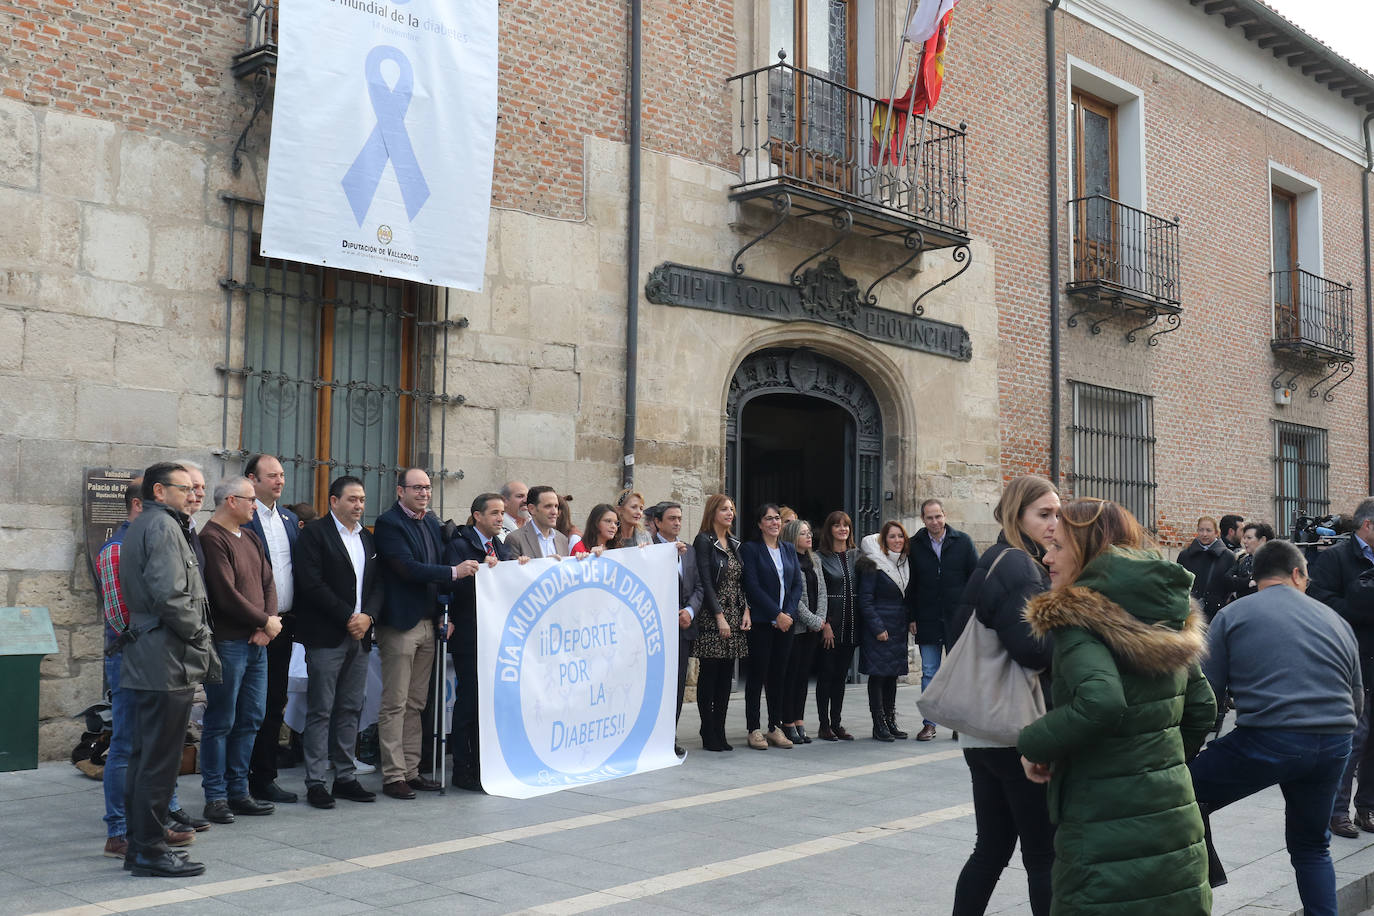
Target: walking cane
<point>440,698</point>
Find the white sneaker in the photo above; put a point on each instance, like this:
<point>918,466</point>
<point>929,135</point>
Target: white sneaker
<point>363,769</point>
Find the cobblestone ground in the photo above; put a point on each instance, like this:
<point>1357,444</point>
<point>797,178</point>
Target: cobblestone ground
<point>850,827</point>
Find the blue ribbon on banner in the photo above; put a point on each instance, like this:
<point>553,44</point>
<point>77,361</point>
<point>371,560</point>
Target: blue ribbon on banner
<point>388,140</point>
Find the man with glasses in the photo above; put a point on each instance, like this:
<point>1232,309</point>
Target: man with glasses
<point>167,652</point>
<point>409,541</point>
<point>243,606</point>
<point>277,529</point>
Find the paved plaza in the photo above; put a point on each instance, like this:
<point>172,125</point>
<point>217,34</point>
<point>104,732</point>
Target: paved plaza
<point>850,827</point>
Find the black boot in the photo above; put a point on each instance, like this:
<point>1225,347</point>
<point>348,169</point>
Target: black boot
<point>880,732</point>
<point>890,716</point>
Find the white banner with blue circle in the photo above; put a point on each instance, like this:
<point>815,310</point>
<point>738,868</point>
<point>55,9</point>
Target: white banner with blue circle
<point>577,669</point>
<point>383,137</point>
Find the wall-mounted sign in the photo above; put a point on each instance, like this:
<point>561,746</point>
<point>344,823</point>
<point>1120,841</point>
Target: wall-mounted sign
<point>102,505</point>
<point>825,295</point>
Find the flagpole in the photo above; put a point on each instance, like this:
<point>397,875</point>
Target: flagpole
<point>892,94</point>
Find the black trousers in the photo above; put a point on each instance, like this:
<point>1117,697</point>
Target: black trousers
<point>798,676</point>
<point>262,767</point>
<point>834,668</point>
<point>769,649</point>
<point>467,748</point>
<point>714,679</point>
<point>160,718</point>
<point>1006,807</point>
<point>882,692</point>
<point>684,655</point>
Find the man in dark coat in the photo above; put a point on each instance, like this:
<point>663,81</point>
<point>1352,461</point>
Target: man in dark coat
<point>339,597</point>
<point>1342,578</point>
<point>468,547</point>
<point>690,595</point>
<point>942,559</point>
<point>167,652</point>
<point>409,542</point>
<point>1211,564</point>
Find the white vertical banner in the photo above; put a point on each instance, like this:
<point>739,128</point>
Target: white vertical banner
<point>383,137</point>
<point>577,669</point>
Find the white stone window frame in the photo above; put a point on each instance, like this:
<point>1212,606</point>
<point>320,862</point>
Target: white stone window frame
<point>1130,126</point>
<point>1308,193</point>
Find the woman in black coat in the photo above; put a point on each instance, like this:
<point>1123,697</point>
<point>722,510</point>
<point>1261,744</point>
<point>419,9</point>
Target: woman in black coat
<point>1008,807</point>
<point>840,634</point>
<point>773,586</point>
<point>883,579</point>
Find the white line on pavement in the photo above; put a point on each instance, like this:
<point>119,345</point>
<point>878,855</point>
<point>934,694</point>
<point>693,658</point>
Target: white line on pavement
<point>515,834</point>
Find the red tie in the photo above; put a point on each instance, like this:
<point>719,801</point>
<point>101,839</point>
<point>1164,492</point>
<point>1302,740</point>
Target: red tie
<point>491,549</point>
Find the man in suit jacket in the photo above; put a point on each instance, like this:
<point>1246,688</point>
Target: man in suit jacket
<point>339,599</point>
<point>409,542</point>
<point>538,537</point>
<point>476,543</point>
<point>690,594</point>
<point>277,528</point>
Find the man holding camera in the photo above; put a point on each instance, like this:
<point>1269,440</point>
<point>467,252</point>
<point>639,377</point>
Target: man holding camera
<point>1342,579</point>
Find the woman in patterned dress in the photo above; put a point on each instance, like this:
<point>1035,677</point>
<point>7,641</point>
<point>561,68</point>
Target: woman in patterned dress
<point>724,618</point>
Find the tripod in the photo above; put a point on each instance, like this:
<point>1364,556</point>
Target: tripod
<point>440,682</point>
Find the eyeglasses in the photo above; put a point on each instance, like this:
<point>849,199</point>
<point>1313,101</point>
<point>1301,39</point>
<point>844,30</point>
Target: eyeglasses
<point>241,496</point>
<point>183,487</point>
<point>420,487</point>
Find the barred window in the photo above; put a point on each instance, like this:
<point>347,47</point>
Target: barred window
<point>1300,472</point>
<point>337,371</point>
<point>1114,448</point>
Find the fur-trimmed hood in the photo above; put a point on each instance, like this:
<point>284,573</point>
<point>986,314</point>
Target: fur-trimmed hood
<point>871,556</point>
<point>1163,632</point>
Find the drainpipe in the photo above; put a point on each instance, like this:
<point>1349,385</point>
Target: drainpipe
<point>632,247</point>
<point>1368,306</point>
<point>1051,90</point>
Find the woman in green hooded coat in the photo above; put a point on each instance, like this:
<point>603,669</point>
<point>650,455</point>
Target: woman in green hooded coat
<point>1130,707</point>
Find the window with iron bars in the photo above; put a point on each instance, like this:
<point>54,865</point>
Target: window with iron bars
<point>336,371</point>
<point>1114,448</point>
<point>1300,473</point>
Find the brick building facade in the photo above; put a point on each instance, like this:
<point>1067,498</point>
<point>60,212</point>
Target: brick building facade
<point>138,320</point>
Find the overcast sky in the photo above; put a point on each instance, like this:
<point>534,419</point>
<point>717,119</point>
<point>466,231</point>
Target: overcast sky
<point>1347,26</point>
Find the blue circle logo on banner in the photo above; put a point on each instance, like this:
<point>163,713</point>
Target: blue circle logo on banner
<point>579,674</point>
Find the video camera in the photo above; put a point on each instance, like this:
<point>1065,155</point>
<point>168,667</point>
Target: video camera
<point>1311,531</point>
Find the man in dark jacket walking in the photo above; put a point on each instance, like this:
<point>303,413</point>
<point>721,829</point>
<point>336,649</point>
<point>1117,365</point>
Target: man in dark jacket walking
<point>1211,564</point>
<point>942,559</point>
<point>167,652</point>
<point>1343,580</point>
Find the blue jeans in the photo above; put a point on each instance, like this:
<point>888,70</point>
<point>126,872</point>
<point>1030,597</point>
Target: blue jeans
<point>930,663</point>
<point>1308,769</point>
<point>117,757</point>
<point>233,713</point>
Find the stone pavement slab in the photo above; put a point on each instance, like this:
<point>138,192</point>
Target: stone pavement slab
<point>849,827</point>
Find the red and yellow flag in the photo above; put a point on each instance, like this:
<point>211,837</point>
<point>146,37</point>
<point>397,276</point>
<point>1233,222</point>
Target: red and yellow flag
<point>920,97</point>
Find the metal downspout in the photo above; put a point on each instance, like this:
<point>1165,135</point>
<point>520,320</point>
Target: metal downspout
<point>632,246</point>
<point>1368,307</point>
<point>1051,91</point>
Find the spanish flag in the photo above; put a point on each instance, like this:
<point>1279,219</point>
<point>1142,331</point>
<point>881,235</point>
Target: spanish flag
<point>919,98</point>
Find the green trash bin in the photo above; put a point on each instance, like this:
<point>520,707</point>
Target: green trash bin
<point>25,637</point>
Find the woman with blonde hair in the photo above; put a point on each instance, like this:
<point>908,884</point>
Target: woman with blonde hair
<point>1130,706</point>
<point>1007,807</point>
<point>723,620</point>
<point>629,507</point>
<point>884,575</point>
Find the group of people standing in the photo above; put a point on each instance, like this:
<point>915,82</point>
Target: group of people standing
<point>1108,790</point>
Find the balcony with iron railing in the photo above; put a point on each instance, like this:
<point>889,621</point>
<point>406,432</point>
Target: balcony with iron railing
<point>260,41</point>
<point>827,147</point>
<point>1125,261</point>
<point>1312,315</point>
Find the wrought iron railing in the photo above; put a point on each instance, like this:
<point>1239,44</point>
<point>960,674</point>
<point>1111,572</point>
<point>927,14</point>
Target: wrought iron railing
<point>260,38</point>
<point>1312,311</point>
<point>1124,250</point>
<point>803,129</point>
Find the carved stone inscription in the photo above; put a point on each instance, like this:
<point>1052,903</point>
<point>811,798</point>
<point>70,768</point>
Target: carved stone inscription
<point>824,295</point>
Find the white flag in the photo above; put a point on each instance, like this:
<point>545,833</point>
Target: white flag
<point>926,20</point>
